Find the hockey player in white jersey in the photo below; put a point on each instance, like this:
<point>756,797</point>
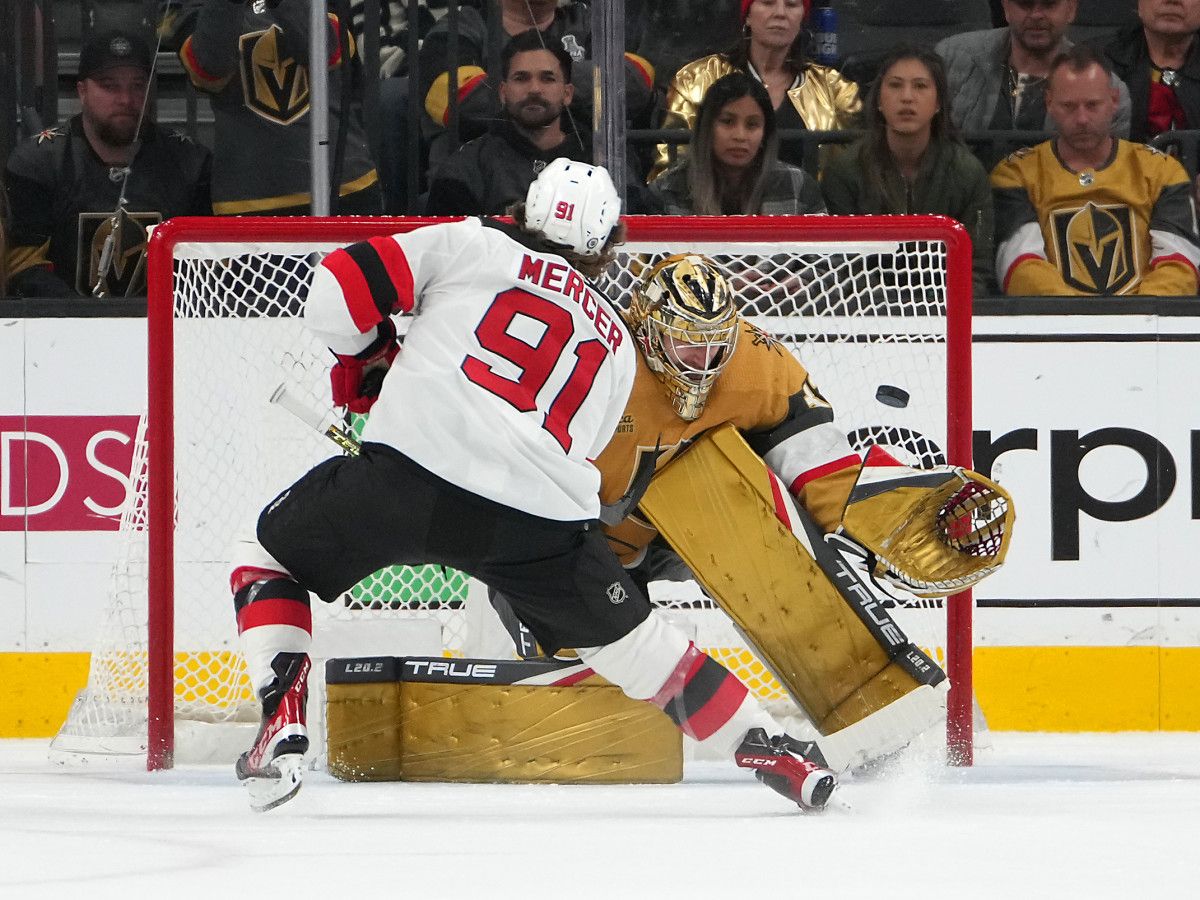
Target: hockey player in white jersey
<point>478,455</point>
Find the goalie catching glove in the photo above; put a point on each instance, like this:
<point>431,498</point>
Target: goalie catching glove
<point>932,532</point>
<point>356,379</point>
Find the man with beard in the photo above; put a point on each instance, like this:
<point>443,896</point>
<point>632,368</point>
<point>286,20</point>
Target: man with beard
<point>83,193</point>
<point>1088,214</point>
<point>997,78</point>
<point>491,173</point>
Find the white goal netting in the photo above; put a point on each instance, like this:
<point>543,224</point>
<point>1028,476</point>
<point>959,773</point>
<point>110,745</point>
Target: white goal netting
<point>862,306</point>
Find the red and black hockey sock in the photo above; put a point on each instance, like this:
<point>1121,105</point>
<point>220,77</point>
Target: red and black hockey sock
<point>700,695</point>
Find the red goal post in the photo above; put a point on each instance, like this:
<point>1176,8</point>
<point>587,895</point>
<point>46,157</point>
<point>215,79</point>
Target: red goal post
<point>905,262</point>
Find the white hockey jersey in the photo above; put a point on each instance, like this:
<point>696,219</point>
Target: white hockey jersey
<point>514,371</point>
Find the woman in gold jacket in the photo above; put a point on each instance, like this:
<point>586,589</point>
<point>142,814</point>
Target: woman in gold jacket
<point>805,95</point>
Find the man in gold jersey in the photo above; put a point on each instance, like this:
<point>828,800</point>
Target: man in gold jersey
<point>1088,214</point>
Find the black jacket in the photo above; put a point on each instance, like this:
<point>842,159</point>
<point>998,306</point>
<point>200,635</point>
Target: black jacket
<point>1130,59</point>
<point>62,198</point>
<point>489,174</point>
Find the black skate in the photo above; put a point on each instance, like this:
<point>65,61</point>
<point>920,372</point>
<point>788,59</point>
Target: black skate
<point>793,768</point>
<point>272,769</point>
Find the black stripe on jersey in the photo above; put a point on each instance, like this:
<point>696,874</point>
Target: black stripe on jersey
<point>698,690</point>
<point>800,417</point>
<point>383,289</point>
<point>269,589</point>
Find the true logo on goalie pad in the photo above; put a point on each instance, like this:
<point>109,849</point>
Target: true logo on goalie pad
<point>449,669</point>
<point>887,629</point>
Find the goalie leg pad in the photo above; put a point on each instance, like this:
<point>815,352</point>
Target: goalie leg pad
<point>716,505</point>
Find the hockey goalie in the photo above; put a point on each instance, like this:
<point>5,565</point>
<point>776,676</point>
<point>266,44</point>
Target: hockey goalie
<point>730,452</point>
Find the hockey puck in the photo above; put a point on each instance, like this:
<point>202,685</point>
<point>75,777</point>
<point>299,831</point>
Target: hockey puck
<point>890,395</point>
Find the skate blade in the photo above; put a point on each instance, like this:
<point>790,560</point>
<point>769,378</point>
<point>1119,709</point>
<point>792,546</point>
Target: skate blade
<point>269,792</point>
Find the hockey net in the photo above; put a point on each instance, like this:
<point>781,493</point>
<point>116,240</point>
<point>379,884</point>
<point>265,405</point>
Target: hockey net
<point>865,302</point>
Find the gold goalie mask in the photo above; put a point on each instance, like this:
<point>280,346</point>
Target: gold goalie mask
<point>684,318</point>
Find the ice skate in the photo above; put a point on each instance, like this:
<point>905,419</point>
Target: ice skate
<point>790,767</point>
<point>273,768</point>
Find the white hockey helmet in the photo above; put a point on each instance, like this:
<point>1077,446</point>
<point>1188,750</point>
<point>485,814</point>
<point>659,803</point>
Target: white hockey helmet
<point>573,204</point>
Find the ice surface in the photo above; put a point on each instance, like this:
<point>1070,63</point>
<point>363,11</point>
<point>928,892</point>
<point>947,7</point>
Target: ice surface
<point>1064,816</point>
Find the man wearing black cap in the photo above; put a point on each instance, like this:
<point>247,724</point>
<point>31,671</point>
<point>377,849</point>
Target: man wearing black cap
<point>71,234</point>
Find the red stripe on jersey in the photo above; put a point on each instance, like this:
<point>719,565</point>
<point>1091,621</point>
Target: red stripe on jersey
<point>335,56</point>
<point>464,90</point>
<point>1011,269</point>
<point>804,478</point>
<point>188,57</point>
<point>244,575</point>
<point>877,456</point>
<point>782,513</point>
<point>274,611</point>
<point>355,291</point>
<point>705,721</point>
<point>396,264</point>
<point>1175,257</point>
<point>643,67</point>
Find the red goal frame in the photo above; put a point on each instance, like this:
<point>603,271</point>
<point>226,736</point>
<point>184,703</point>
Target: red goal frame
<point>702,229</point>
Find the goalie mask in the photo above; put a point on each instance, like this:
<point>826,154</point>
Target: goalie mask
<point>685,321</point>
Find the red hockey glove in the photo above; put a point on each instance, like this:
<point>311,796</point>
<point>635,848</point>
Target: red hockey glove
<point>356,379</point>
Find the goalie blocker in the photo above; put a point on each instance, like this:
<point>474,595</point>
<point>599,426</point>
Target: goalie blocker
<point>813,619</point>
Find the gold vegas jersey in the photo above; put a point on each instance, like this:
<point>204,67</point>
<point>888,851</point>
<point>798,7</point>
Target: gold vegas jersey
<point>1128,227</point>
<point>766,393</point>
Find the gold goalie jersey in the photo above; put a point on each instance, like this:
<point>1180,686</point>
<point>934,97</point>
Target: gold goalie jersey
<point>1128,227</point>
<point>766,394</point>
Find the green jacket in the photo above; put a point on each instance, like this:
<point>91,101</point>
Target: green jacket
<point>950,182</point>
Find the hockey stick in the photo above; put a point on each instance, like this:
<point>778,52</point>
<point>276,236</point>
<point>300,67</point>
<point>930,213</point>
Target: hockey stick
<point>285,397</point>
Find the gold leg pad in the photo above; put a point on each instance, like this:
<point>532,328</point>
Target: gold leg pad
<point>582,734</point>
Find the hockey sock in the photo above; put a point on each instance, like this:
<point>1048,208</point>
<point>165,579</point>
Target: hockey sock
<point>273,617</point>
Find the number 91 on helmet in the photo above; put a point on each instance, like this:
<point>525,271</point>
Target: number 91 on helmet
<point>684,318</point>
<point>573,205</point>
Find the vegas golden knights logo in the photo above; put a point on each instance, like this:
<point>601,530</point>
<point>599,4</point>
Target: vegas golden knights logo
<point>116,268</point>
<point>1095,247</point>
<point>274,86</point>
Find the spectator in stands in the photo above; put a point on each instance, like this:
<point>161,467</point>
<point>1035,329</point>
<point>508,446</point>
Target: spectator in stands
<point>1159,60</point>
<point>771,50</point>
<point>997,78</point>
<point>483,32</point>
<point>733,167</point>
<point>84,193</point>
<point>484,27</point>
<point>909,161</point>
<point>491,173</point>
<point>1087,213</point>
<point>252,59</point>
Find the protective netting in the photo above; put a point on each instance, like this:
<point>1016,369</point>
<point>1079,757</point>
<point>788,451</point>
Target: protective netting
<point>860,313</point>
